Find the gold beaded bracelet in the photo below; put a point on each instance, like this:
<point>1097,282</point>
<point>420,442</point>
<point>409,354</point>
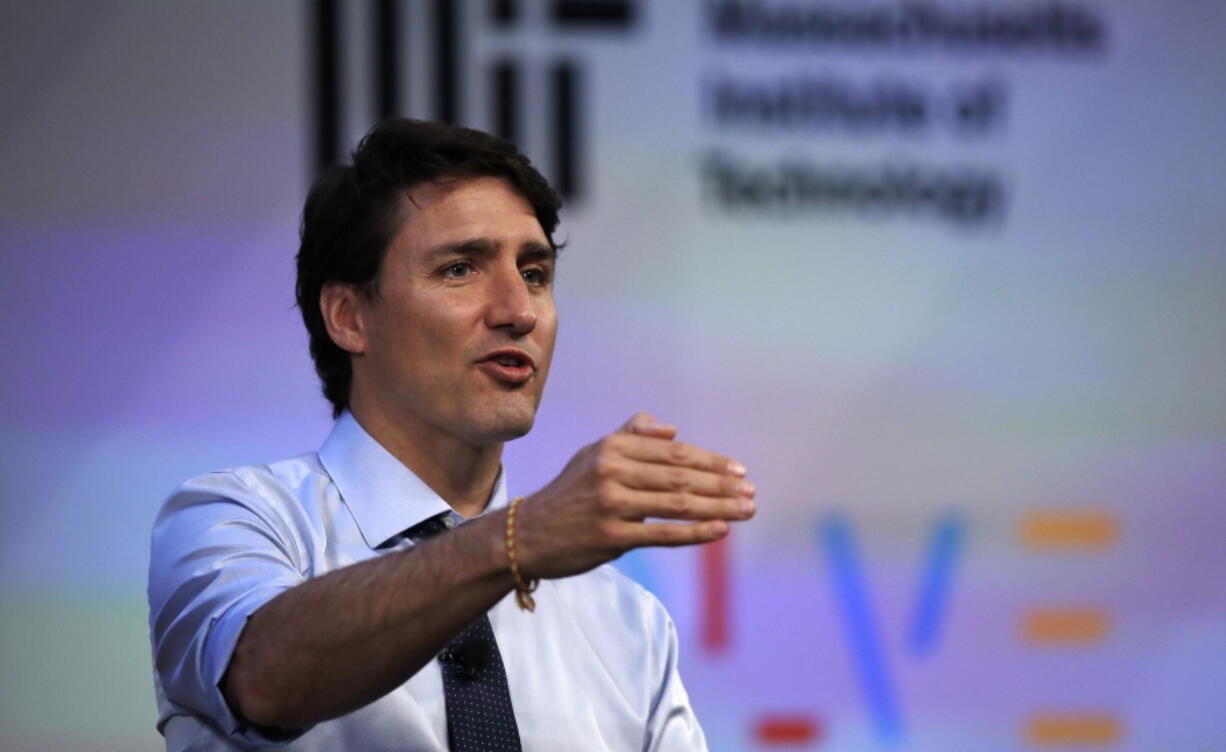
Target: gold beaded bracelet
<point>523,588</point>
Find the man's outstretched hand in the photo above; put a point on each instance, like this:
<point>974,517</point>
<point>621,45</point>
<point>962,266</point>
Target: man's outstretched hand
<point>635,487</point>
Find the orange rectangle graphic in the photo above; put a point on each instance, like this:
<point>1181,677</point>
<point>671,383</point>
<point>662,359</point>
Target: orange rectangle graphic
<point>787,730</point>
<point>1072,730</point>
<point>1055,625</point>
<point>1069,529</point>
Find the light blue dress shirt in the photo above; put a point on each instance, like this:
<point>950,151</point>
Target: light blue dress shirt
<point>594,668</point>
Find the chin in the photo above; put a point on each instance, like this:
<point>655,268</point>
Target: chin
<point>512,433</point>
<point>505,424</point>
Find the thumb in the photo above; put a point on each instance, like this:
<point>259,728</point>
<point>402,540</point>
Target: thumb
<point>644,424</point>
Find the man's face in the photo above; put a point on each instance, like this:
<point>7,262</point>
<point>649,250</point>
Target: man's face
<point>459,337</point>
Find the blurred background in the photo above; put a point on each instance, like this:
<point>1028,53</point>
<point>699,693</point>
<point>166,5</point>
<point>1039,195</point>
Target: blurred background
<point>948,277</point>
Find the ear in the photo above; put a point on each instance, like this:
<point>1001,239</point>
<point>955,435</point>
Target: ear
<point>341,305</point>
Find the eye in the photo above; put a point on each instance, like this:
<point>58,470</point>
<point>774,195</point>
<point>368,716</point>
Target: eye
<point>457,270</point>
<point>535,276</point>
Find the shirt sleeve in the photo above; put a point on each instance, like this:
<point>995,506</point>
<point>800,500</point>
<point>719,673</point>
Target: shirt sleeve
<point>672,725</point>
<point>220,550</point>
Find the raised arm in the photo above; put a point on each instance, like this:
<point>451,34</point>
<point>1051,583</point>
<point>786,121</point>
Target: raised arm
<point>337,642</point>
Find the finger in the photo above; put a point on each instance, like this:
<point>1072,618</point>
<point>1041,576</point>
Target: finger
<point>659,431</point>
<point>638,422</point>
<point>676,533</point>
<point>638,505</point>
<point>644,424</point>
<point>650,449</point>
<point>648,476</point>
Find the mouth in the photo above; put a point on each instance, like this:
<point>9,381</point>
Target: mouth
<point>508,365</point>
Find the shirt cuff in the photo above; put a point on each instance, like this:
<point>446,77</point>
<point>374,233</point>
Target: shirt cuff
<point>219,647</point>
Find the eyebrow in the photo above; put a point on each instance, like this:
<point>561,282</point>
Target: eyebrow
<point>530,251</point>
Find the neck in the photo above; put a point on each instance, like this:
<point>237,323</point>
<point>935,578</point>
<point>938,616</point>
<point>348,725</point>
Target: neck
<point>461,473</point>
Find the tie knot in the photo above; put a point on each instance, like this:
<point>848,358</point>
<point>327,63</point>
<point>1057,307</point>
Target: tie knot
<point>430,527</point>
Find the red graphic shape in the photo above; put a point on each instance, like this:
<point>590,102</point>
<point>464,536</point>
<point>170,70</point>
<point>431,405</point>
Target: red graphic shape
<point>787,730</point>
<point>714,636</point>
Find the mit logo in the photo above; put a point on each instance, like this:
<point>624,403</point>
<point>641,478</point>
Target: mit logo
<point>380,71</point>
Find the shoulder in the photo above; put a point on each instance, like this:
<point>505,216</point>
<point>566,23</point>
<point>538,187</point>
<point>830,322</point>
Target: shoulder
<point>258,497</point>
<point>254,486</point>
<point>229,513</point>
<point>288,473</point>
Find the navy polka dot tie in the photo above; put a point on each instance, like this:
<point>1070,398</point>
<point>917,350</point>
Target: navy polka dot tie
<point>479,713</point>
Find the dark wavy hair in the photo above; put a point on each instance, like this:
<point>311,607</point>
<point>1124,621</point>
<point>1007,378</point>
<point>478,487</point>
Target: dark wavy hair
<point>353,211</point>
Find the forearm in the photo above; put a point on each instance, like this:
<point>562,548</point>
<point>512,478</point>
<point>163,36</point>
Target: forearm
<point>342,640</point>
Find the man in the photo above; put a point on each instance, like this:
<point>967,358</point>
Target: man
<point>305,603</point>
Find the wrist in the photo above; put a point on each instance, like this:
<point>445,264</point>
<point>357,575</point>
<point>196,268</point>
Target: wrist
<point>524,586</point>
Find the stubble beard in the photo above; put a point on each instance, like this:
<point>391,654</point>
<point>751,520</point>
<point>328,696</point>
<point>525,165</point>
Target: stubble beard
<point>508,419</point>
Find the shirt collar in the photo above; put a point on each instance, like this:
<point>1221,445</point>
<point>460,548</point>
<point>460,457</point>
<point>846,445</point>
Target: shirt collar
<point>384,497</point>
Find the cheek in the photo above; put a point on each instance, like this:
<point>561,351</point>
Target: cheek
<point>547,340</point>
<point>434,324</point>
<point>547,314</point>
<point>547,326</point>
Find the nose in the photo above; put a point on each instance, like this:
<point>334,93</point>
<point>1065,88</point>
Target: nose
<point>510,304</point>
